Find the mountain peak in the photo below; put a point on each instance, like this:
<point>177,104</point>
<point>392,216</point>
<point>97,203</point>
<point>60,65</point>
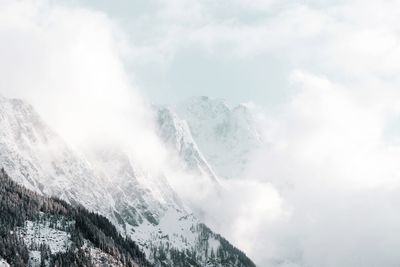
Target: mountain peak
<point>226,136</point>
<point>176,134</point>
<point>203,106</point>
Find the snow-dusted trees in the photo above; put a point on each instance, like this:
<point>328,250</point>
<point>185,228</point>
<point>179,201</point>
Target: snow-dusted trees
<point>17,205</point>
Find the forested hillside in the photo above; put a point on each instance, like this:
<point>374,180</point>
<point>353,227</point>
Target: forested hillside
<point>92,239</point>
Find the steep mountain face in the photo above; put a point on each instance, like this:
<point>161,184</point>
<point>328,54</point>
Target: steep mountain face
<point>227,136</point>
<point>39,159</point>
<point>138,195</point>
<point>106,179</point>
<point>176,134</point>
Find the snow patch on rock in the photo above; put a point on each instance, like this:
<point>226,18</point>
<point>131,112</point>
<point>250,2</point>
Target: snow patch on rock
<point>3,263</point>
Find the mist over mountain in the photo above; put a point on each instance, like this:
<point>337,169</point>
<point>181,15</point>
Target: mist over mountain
<point>200,133</point>
<point>106,179</point>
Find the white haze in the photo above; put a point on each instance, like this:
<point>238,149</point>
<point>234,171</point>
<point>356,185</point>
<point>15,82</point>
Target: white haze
<point>325,189</point>
<point>337,173</point>
<point>67,63</point>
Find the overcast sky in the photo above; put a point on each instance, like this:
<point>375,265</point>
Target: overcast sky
<point>326,189</point>
<point>244,50</point>
<point>238,50</point>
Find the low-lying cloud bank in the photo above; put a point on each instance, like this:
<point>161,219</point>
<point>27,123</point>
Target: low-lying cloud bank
<point>334,167</point>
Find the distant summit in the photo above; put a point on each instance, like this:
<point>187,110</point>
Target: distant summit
<point>227,136</point>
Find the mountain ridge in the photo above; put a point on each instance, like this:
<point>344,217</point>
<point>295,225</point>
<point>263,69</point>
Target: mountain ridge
<point>139,203</point>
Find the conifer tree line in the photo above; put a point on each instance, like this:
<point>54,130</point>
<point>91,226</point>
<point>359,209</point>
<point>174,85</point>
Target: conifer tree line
<point>225,255</point>
<point>18,204</point>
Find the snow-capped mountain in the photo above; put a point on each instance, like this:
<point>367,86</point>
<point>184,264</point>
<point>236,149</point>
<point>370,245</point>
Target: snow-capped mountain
<point>108,180</point>
<point>226,136</point>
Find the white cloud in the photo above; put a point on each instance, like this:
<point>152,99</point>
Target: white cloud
<point>336,174</point>
<point>324,191</point>
<point>67,63</point>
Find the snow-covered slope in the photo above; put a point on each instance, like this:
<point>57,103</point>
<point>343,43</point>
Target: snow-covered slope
<point>39,159</point>
<point>36,233</point>
<point>44,232</point>
<point>108,180</point>
<point>226,136</point>
<point>176,135</point>
<point>138,195</point>
<point>55,235</point>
